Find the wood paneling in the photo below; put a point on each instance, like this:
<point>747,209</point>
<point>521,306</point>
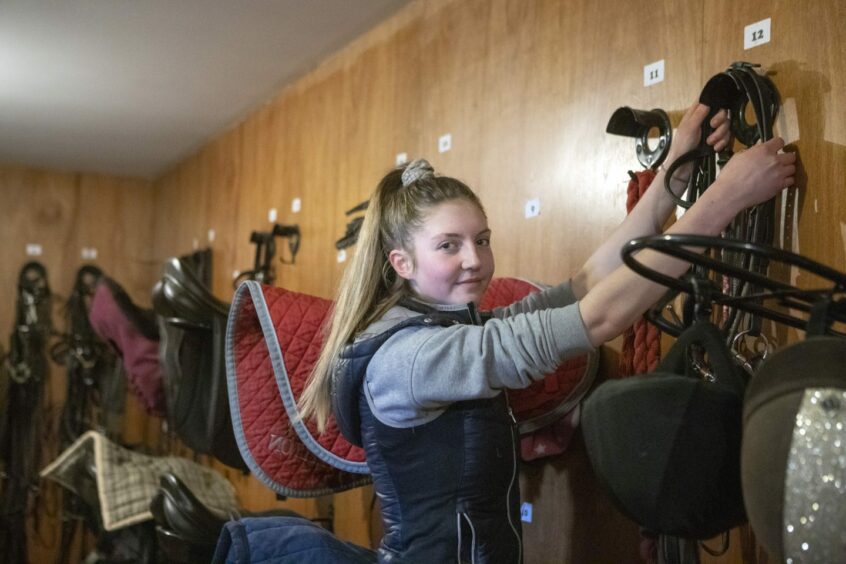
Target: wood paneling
<point>525,88</point>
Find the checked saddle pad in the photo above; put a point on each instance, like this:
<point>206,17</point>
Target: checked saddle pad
<point>273,340</point>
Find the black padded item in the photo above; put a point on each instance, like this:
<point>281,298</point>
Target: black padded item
<point>666,445</point>
<point>192,357</point>
<point>186,530</point>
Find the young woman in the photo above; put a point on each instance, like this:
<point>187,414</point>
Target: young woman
<point>415,375</point>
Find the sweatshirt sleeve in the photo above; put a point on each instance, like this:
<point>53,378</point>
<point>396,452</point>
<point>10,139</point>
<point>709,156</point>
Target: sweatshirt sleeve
<point>421,370</point>
<point>554,296</point>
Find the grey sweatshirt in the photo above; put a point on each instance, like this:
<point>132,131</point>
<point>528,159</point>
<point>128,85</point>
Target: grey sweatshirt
<point>420,370</point>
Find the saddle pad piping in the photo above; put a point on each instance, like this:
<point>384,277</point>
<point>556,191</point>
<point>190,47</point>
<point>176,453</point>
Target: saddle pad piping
<point>234,405</point>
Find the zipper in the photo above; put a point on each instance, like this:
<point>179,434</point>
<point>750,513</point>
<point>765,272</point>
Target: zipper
<point>513,479</point>
<point>472,538</point>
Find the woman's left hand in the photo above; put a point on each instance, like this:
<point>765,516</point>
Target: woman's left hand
<point>689,131</point>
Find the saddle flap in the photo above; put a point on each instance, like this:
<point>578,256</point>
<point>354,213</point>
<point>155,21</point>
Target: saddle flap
<point>273,339</point>
<point>193,325</point>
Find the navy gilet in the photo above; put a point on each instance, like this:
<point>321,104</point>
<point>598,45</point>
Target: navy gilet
<point>448,489</point>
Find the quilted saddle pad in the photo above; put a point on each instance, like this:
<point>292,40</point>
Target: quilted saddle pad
<point>273,339</point>
<point>120,483</point>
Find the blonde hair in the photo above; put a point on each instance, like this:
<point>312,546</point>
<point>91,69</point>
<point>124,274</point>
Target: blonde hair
<point>369,286</point>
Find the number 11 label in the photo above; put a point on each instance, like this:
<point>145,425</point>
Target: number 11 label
<point>757,33</point>
<point>653,73</point>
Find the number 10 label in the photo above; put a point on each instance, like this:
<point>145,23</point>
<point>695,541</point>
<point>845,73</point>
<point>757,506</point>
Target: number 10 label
<point>757,33</point>
<point>653,73</point>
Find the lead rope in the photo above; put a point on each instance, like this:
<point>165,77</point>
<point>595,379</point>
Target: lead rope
<point>642,341</point>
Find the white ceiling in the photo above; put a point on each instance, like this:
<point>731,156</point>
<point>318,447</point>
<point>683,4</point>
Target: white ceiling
<point>131,87</point>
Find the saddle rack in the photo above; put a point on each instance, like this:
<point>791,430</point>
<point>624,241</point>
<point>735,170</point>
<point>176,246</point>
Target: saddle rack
<point>716,270</point>
<point>265,242</point>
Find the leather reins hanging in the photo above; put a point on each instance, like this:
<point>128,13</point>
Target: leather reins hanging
<point>737,89</point>
<point>20,446</point>
<point>89,364</point>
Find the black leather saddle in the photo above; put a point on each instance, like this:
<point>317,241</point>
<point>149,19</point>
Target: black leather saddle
<point>193,331</point>
<point>186,530</point>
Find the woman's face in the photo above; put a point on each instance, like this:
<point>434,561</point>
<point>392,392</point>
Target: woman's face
<point>451,261</point>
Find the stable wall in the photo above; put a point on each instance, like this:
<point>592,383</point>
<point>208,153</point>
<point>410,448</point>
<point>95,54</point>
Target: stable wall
<point>525,87</point>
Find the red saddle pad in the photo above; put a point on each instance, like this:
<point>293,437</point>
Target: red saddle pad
<point>273,339</point>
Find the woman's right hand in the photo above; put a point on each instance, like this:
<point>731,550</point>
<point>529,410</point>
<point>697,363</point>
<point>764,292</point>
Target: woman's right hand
<point>756,174</point>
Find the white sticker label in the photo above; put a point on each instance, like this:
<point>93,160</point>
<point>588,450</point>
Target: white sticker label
<point>271,215</point>
<point>195,244</point>
<point>526,512</point>
<point>342,255</point>
<point>401,159</point>
<point>653,73</point>
<point>757,33</point>
<point>88,253</point>
<point>211,235</point>
<point>532,208</point>
<point>296,205</point>
<point>236,274</point>
<point>445,142</point>
<point>33,250</point>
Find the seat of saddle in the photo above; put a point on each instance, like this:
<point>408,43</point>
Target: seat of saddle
<point>274,337</point>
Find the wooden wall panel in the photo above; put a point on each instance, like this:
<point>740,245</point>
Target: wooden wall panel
<point>526,88</point>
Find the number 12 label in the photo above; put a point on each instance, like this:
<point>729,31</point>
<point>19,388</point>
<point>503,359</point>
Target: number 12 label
<point>653,73</point>
<point>757,33</point>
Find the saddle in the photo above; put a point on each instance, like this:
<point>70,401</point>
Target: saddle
<point>187,530</point>
<point>273,339</point>
<point>193,327</point>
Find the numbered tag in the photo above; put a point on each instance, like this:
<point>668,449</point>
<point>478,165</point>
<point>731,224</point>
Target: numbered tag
<point>33,250</point>
<point>653,73</point>
<point>296,205</point>
<point>271,215</point>
<point>211,235</point>
<point>757,33</point>
<point>532,208</point>
<point>401,159</point>
<point>445,143</point>
<point>342,255</point>
<point>88,253</point>
<point>526,512</point>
